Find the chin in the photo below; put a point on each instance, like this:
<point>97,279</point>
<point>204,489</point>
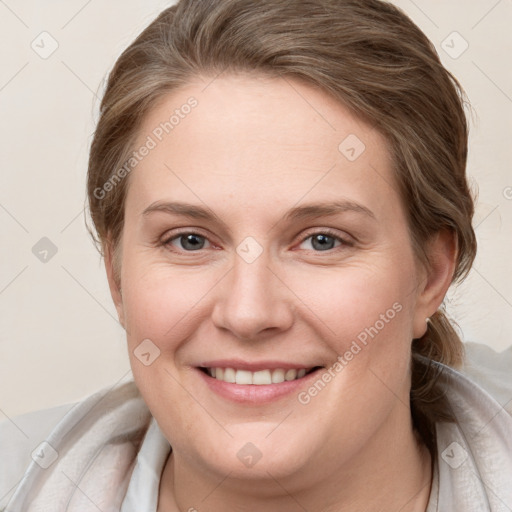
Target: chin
<point>255,455</point>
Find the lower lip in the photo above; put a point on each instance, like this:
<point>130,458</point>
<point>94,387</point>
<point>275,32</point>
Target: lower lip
<point>253,393</point>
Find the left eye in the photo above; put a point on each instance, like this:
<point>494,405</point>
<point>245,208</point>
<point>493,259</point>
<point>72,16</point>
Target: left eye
<point>188,241</point>
<point>324,241</point>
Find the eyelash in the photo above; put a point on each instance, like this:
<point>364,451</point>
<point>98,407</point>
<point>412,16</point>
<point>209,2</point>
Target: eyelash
<point>326,231</point>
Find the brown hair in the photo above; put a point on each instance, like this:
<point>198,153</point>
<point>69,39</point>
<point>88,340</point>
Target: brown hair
<point>366,53</point>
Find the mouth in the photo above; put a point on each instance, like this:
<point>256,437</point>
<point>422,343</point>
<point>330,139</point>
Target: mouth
<point>259,387</point>
<point>259,378</point>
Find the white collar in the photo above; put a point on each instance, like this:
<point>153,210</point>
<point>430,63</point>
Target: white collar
<point>142,493</point>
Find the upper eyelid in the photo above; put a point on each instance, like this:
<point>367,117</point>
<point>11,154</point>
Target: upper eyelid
<point>329,232</point>
<point>193,231</point>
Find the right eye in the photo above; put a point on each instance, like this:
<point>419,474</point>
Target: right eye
<point>186,241</point>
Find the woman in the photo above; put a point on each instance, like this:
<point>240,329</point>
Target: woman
<point>279,192</point>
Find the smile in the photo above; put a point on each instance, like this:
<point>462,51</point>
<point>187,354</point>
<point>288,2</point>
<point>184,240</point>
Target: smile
<point>255,384</point>
<point>258,378</point>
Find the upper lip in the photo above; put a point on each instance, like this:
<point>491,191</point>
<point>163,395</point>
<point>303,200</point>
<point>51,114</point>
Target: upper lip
<point>255,366</point>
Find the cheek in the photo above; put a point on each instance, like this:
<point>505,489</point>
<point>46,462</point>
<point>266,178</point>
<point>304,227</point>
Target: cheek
<point>367,313</point>
<point>362,302</point>
<point>161,302</point>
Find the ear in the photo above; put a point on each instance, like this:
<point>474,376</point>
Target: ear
<point>114,280</point>
<point>436,279</point>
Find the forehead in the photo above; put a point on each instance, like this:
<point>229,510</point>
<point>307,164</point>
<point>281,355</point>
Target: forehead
<point>259,140</point>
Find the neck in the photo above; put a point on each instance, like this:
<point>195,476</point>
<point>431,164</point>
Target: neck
<point>395,475</point>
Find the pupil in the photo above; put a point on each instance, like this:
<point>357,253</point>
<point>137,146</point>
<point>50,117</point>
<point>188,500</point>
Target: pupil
<point>191,242</point>
<point>325,242</point>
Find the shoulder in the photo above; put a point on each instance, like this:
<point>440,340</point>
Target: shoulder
<point>491,370</point>
<point>20,437</point>
<point>35,440</point>
<point>473,458</point>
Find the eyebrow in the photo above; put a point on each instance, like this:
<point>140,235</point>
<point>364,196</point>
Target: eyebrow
<point>327,209</point>
<point>306,211</point>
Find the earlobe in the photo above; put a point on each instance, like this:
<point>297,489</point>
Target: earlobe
<point>442,254</point>
<point>114,281</point>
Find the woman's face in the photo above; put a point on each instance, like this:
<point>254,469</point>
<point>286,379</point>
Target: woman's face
<point>264,233</point>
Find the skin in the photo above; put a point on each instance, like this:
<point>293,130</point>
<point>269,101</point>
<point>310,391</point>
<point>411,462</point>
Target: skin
<point>252,149</point>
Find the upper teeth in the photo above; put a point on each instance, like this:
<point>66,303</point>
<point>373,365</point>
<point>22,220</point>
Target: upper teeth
<point>259,378</point>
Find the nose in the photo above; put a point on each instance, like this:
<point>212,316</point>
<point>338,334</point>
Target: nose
<point>253,301</point>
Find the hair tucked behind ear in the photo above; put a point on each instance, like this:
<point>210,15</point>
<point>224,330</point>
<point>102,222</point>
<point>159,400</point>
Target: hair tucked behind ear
<point>369,56</point>
<point>429,403</point>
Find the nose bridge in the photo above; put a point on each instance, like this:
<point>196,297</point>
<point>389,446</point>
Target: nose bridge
<point>252,299</point>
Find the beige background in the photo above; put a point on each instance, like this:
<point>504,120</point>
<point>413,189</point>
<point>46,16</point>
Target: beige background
<point>59,335</point>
